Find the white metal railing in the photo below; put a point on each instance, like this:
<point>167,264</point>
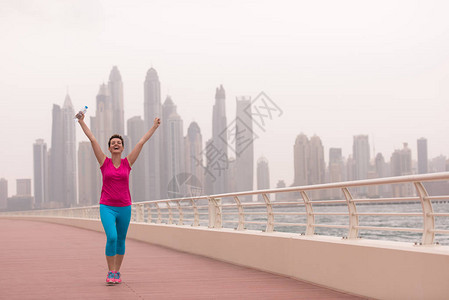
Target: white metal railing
<point>225,210</point>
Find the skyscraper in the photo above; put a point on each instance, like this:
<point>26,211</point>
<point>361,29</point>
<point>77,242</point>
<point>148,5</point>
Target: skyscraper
<point>244,147</point>
<point>40,168</point>
<point>175,155</point>
<point>401,164</point>
<point>381,170</point>
<point>102,123</point>
<point>438,164</point>
<point>301,160</point>
<point>422,156</point>
<point>24,187</point>
<point>361,155</point>
<point>231,170</point>
<point>3,193</point>
<point>316,164</point>
<point>263,175</point>
<point>136,131</point>
<point>335,165</point>
<point>87,173</point>
<point>153,151</point>
<point>115,87</point>
<point>208,175</point>
<point>102,128</point>
<point>69,138</point>
<point>193,144</point>
<point>217,147</point>
<point>401,161</point>
<point>62,160</point>
<point>56,159</point>
<point>336,168</point>
<point>168,108</point>
<point>283,196</point>
<point>350,168</point>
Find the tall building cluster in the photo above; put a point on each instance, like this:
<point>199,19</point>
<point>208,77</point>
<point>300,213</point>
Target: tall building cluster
<point>174,165</point>
<point>171,165</point>
<point>309,167</point>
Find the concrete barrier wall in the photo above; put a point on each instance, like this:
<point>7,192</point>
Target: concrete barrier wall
<point>375,269</point>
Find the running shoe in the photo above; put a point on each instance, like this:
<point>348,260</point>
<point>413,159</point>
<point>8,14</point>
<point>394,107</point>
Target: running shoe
<point>117,278</point>
<point>110,279</point>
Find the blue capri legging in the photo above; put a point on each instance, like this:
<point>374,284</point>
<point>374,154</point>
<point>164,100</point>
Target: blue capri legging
<point>115,222</point>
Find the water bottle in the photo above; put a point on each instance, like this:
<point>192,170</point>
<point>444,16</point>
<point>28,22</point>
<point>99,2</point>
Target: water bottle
<point>84,110</point>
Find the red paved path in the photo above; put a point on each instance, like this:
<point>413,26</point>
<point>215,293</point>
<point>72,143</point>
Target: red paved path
<point>49,261</point>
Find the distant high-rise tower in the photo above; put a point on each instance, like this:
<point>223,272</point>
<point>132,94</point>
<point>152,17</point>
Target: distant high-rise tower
<point>422,156</point>
<point>175,155</point>
<point>3,193</point>
<point>438,164</point>
<point>282,196</point>
<point>69,138</point>
<point>102,126</point>
<point>231,175</point>
<point>40,169</point>
<point>153,149</point>
<point>350,168</point>
<point>316,164</point>
<point>208,175</point>
<point>217,147</point>
<point>136,130</point>
<point>193,144</point>
<point>381,170</point>
<point>87,172</point>
<point>301,160</point>
<point>361,155</point>
<point>263,175</point>
<point>336,168</point>
<point>56,158</point>
<point>401,161</point>
<point>115,87</point>
<point>62,171</point>
<point>401,164</point>
<point>335,165</point>
<point>23,187</point>
<point>244,147</point>
<point>168,108</point>
<point>380,166</point>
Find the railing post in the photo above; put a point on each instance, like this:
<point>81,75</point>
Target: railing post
<point>149,219</point>
<point>196,215</point>
<point>310,230</point>
<point>215,216</point>
<point>139,212</point>
<point>428,235</point>
<point>241,224</point>
<point>133,213</point>
<point>353,231</point>
<point>170,213</point>
<point>270,216</point>
<point>181,215</point>
<point>159,217</point>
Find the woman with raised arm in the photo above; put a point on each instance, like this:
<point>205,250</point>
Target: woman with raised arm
<point>115,200</point>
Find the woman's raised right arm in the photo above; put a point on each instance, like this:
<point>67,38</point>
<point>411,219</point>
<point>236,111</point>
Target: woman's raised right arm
<point>95,146</point>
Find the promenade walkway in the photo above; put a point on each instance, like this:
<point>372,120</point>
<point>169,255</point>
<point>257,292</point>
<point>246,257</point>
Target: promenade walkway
<point>49,261</point>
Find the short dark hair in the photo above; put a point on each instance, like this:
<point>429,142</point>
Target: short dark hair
<point>116,136</point>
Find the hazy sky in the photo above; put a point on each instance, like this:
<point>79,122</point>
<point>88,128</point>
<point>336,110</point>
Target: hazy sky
<point>336,68</point>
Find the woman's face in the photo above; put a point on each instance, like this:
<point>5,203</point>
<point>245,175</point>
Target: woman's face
<point>116,146</point>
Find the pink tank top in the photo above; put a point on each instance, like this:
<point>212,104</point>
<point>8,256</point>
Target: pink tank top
<point>115,190</point>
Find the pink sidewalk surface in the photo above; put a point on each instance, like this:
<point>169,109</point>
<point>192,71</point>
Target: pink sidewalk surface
<point>49,261</point>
